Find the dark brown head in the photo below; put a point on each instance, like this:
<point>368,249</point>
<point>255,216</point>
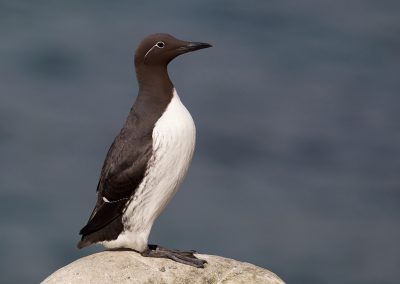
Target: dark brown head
<point>160,49</point>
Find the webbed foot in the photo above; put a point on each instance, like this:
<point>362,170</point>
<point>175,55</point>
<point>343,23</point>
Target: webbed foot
<point>185,257</point>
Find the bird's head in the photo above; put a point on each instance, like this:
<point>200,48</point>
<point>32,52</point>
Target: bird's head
<point>160,49</point>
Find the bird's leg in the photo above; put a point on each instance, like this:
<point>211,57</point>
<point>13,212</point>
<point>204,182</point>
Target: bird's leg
<point>185,257</point>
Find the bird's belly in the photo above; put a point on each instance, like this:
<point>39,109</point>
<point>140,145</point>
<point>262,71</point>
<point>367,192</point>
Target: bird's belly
<point>173,146</point>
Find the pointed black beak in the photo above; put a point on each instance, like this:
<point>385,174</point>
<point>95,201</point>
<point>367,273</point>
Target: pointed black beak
<point>192,46</point>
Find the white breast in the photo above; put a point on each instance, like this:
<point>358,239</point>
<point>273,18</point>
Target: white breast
<point>173,145</point>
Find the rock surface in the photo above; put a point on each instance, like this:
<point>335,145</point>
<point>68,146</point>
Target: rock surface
<point>131,267</point>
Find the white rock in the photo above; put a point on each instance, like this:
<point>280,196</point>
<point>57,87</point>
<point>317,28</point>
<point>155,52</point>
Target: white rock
<point>131,267</point>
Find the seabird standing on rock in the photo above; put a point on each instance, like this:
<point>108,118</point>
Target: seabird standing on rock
<point>149,158</point>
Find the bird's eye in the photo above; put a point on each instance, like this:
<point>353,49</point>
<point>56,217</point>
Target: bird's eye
<point>160,44</point>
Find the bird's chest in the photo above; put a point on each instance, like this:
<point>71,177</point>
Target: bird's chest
<point>173,138</point>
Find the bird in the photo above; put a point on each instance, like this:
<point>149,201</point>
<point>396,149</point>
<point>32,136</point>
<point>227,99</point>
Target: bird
<point>148,159</point>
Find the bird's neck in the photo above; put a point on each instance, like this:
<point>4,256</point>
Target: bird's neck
<point>154,80</point>
<point>155,93</point>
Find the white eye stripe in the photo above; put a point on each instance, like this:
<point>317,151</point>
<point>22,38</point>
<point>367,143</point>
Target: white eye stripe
<point>159,44</point>
<point>149,51</point>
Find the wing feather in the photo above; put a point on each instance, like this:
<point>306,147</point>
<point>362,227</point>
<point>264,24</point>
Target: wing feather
<point>123,170</point>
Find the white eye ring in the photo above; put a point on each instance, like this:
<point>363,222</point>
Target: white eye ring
<point>160,44</point>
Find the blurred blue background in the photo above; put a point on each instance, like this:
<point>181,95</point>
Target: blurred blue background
<point>298,127</point>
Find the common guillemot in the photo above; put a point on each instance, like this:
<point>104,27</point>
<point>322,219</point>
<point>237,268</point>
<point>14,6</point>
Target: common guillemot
<point>148,159</point>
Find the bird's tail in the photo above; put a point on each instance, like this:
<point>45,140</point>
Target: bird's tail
<point>83,243</point>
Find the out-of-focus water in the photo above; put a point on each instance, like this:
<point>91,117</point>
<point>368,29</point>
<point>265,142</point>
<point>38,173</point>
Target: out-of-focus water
<point>297,112</point>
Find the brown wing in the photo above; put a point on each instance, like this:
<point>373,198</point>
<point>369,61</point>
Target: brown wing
<point>123,170</point>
